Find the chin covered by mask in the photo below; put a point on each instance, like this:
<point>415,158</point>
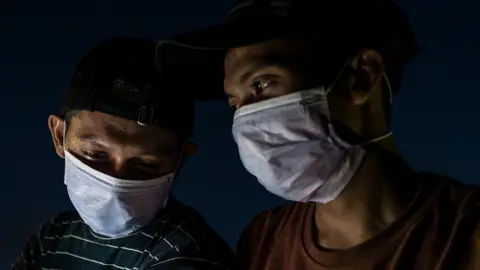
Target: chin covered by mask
<point>110,206</point>
<point>291,146</point>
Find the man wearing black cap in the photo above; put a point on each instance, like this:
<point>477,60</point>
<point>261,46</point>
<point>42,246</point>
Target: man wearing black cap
<point>123,132</point>
<point>312,82</point>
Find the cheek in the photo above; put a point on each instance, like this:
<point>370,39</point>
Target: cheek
<point>338,107</point>
<point>346,117</point>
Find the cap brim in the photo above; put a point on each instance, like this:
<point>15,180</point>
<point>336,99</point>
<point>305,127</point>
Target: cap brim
<point>198,71</point>
<point>196,59</point>
<point>235,32</point>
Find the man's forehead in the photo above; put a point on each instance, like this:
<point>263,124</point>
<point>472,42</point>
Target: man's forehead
<point>273,52</point>
<point>269,46</point>
<point>111,132</point>
<point>113,125</point>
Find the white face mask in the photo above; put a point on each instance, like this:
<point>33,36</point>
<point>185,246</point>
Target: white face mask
<point>110,206</point>
<point>290,145</point>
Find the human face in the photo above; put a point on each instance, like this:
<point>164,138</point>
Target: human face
<point>116,146</point>
<point>281,66</point>
<point>265,70</point>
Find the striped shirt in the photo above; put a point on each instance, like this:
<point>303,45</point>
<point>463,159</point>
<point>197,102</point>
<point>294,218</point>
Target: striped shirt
<point>178,238</point>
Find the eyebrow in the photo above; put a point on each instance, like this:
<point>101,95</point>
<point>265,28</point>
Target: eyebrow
<point>90,139</point>
<point>265,62</point>
<point>164,152</point>
<point>159,150</point>
<point>250,69</point>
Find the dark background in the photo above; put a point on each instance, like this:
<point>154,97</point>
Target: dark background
<point>435,115</point>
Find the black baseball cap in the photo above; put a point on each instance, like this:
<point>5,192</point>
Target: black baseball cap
<point>340,25</point>
<point>123,77</point>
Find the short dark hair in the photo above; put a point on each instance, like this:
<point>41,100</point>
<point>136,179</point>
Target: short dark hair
<point>68,116</point>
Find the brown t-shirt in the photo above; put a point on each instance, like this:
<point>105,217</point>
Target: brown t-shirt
<point>440,230</point>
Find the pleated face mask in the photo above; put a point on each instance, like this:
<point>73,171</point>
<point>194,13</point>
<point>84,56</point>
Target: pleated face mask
<point>110,206</point>
<point>290,145</point>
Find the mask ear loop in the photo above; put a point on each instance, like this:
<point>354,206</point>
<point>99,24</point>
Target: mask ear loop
<point>340,73</point>
<point>64,136</point>
<point>179,162</point>
<point>390,93</point>
<point>385,78</point>
<point>389,86</point>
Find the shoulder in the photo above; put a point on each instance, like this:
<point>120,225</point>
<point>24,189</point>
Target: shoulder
<point>67,218</point>
<point>187,240</point>
<point>260,234</point>
<point>51,232</point>
<point>61,223</point>
<point>463,197</point>
<point>459,203</point>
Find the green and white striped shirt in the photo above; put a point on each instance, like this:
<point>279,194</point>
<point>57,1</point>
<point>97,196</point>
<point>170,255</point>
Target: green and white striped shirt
<point>178,238</point>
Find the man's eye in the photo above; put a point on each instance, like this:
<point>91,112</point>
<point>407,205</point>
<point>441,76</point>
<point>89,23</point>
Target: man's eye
<point>154,166</point>
<point>147,166</point>
<point>95,155</point>
<point>259,86</point>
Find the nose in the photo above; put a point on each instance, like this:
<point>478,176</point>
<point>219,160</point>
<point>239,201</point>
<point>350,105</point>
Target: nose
<point>252,98</point>
<point>114,167</point>
<point>120,168</point>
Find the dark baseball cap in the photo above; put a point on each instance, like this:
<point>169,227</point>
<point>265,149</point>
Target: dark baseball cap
<point>123,77</point>
<point>338,25</point>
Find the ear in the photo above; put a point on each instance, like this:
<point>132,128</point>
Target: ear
<point>367,74</point>
<point>189,149</point>
<point>57,129</point>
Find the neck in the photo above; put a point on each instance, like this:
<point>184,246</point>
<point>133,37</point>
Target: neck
<point>361,211</point>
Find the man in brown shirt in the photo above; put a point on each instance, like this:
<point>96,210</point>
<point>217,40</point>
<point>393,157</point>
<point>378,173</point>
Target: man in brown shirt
<point>312,82</point>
